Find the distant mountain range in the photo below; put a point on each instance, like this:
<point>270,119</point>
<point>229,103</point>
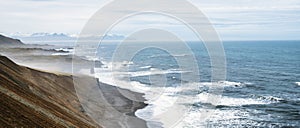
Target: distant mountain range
<point>43,37</point>
<point>60,37</point>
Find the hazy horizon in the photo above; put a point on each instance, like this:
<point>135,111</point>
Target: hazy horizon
<point>233,19</point>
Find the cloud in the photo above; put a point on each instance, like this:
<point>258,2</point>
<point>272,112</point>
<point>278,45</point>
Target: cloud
<point>40,0</point>
<point>230,17</point>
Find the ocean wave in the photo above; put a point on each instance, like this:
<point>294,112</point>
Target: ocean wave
<point>170,55</point>
<point>161,99</point>
<point>91,58</point>
<point>61,54</point>
<point>268,98</point>
<point>39,50</point>
<point>181,55</point>
<point>64,49</point>
<point>167,101</point>
<point>115,78</point>
<point>229,101</point>
<point>224,83</point>
<point>145,67</point>
<point>116,66</point>
<point>227,118</point>
<point>230,83</point>
<point>155,71</point>
<point>218,115</point>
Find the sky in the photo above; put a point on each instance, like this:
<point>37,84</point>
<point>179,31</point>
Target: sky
<point>232,19</point>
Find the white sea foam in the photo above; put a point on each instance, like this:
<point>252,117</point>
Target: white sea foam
<point>154,71</point>
<point>161,99</point>
<point>297,83</point>
<point>229,83</point>
<point>146,67</point>
<point>191,118</point>
<point>110,78</point>
<point>173,55</point>
<point>63,52</point>
<point>117,66</point>
<point>229,101</point>
<point>222,83</point>
<point>181,55</point>
<point>92,58</point>
<point>64,49</point>
<point>228,116</point>
<point>270,98</point>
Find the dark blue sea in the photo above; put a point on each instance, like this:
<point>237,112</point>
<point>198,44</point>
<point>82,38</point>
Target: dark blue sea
<point>262,86</point>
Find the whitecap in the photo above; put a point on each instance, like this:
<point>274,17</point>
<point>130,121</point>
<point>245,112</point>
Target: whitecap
<point>229,101</point>
<point>117,66</point>
<point>229,83</point>
<point>61,54</point>
<point>222,83</point>
<point>145,67</point>
<point>270,98</point>
<point>161,99</point>
<point>155,71</point>
<point>64,49</point>
<point>181,55</point>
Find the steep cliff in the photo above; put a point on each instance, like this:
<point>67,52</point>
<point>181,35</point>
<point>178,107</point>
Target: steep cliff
<point>32,98</point>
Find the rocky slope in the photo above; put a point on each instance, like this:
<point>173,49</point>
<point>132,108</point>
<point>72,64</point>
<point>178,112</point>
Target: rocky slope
<point>9,41</point>
<point>31,98</point>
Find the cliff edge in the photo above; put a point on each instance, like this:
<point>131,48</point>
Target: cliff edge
<point>9,41</point>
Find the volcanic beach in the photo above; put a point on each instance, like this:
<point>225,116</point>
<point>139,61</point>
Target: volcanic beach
<point>37,89</point>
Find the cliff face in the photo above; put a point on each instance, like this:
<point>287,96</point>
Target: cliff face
<point>31,98</point>
<point>9,41</point>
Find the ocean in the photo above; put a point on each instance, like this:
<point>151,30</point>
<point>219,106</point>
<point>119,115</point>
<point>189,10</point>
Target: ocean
<point>262,86</point>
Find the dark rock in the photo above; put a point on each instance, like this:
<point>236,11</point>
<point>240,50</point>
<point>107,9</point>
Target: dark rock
<point>9,41</point>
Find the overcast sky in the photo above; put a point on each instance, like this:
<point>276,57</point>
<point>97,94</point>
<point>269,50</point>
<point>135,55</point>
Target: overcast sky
<point>233,19</point>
